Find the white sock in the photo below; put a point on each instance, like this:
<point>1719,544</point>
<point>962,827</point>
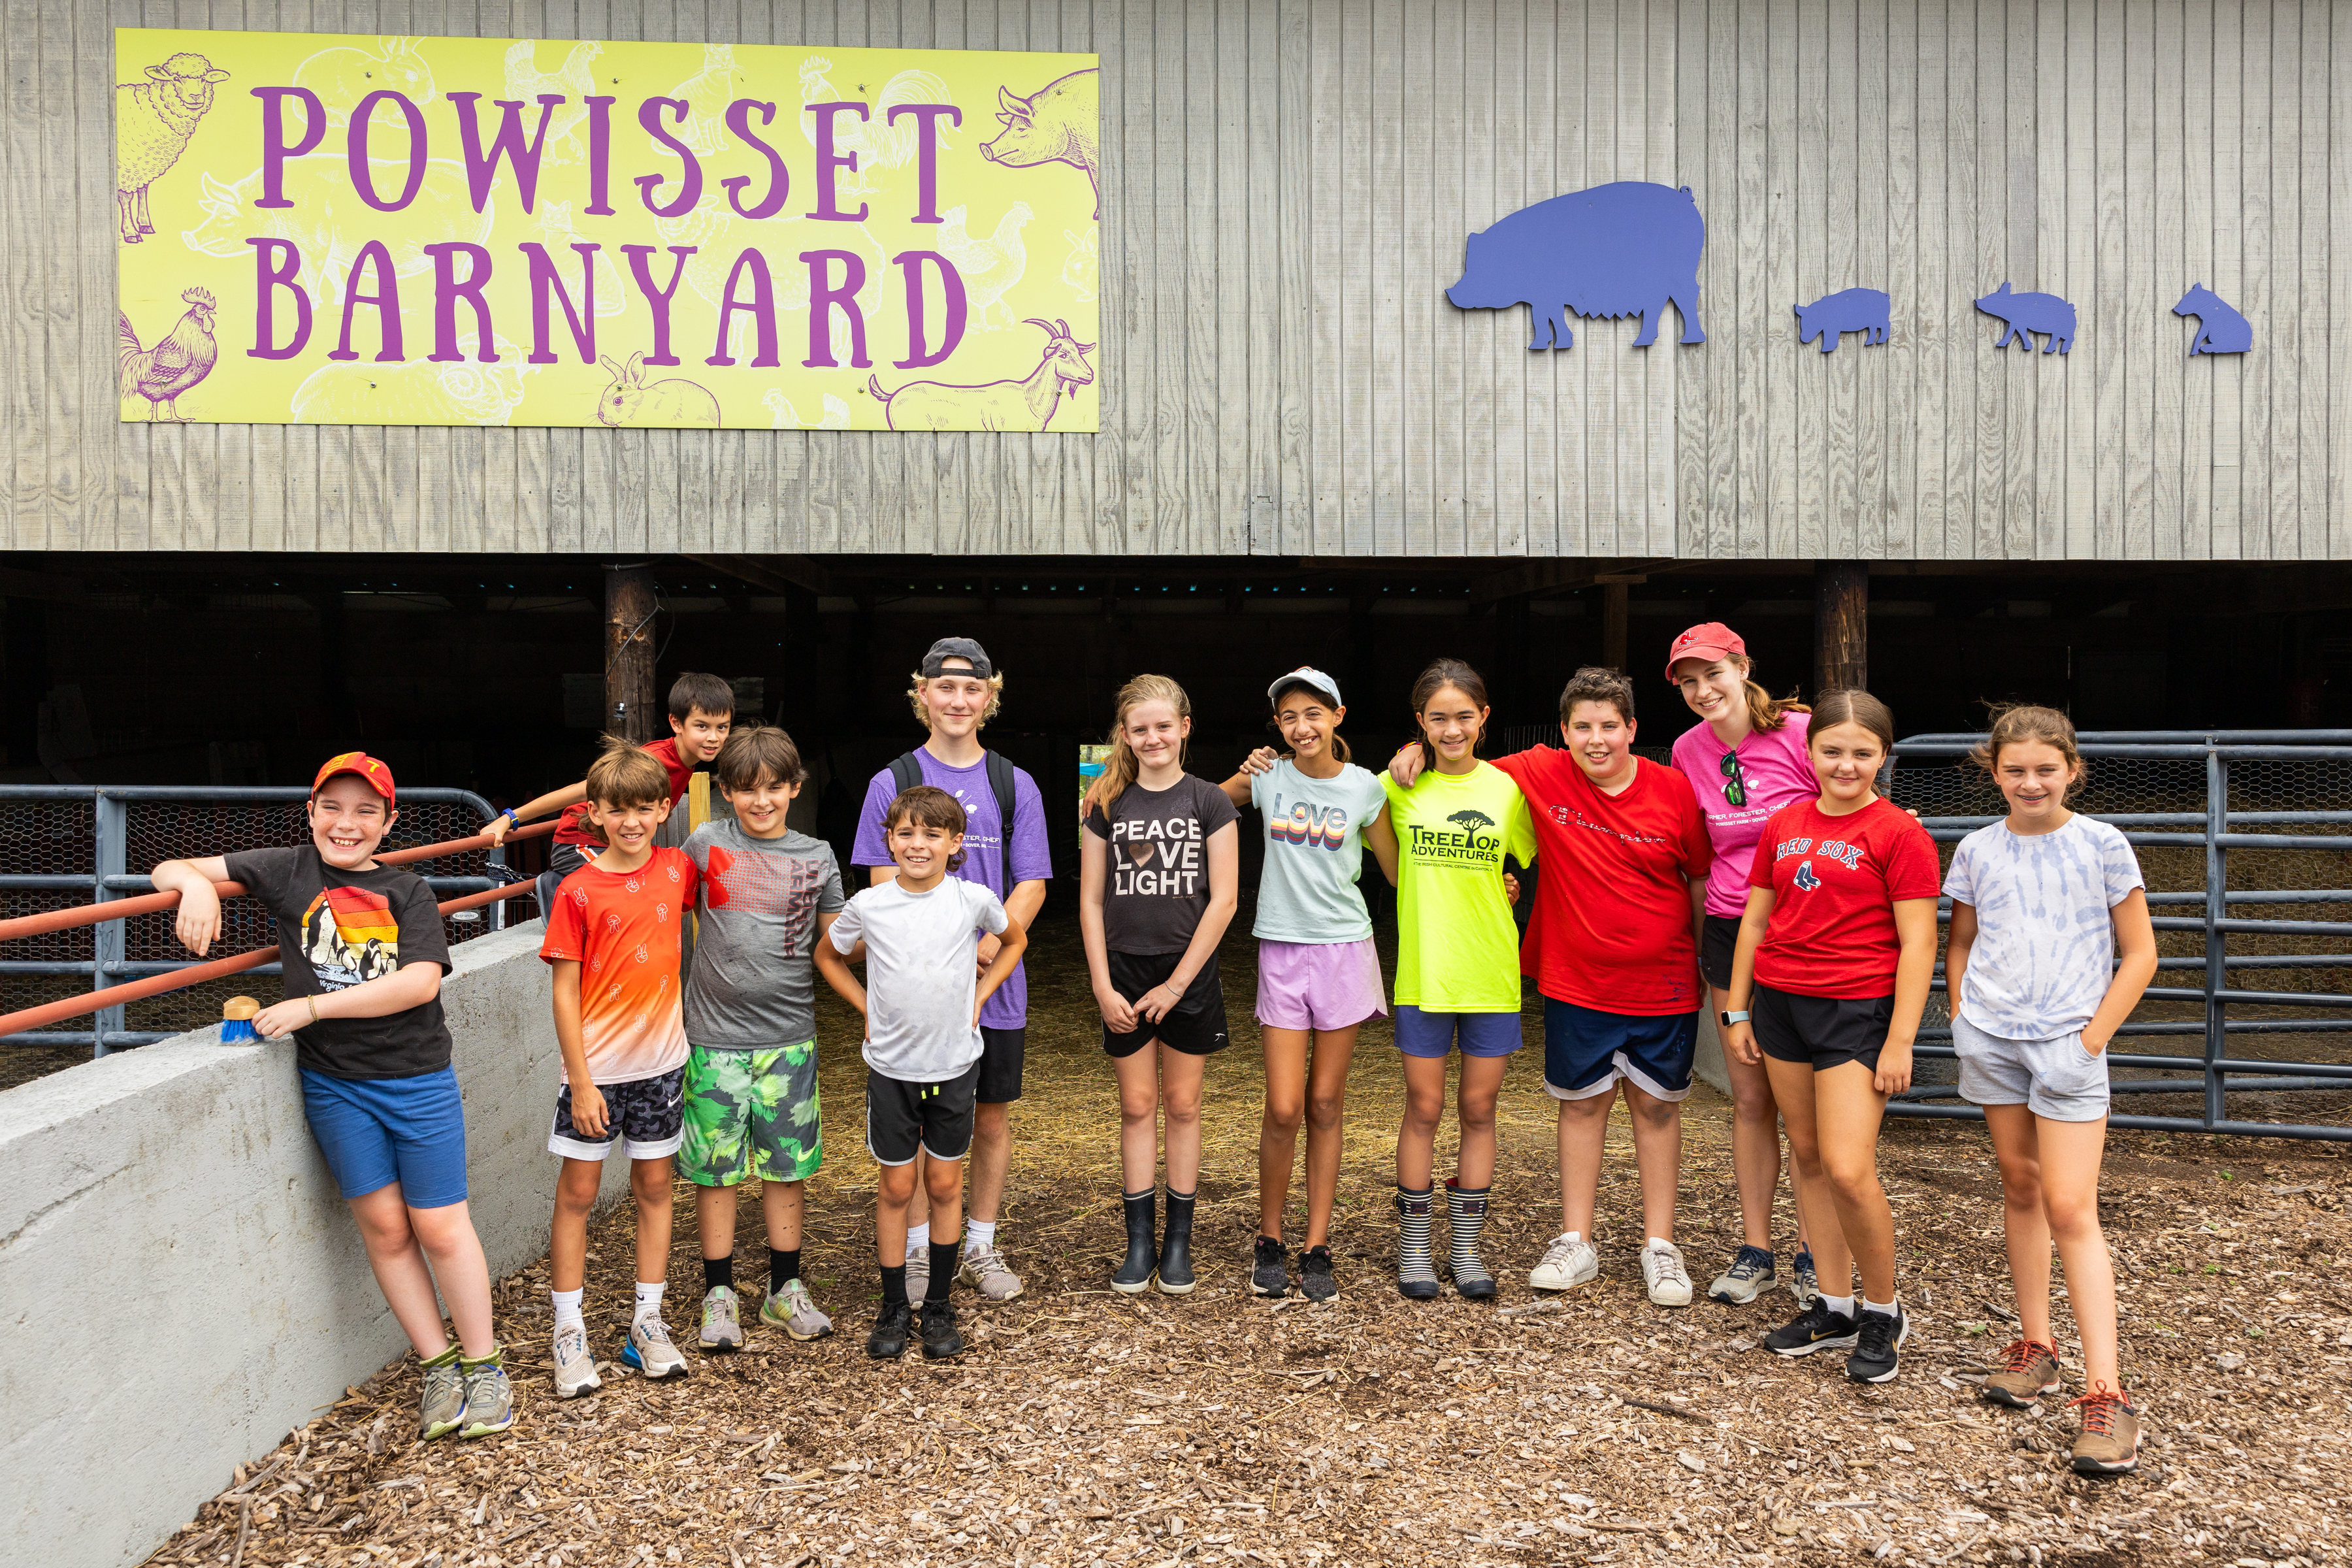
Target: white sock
<point>1658,1241</point>
<point>1841,1304</point>
<point>1870,1306</point>
<point>1571,1237</point>
<point>919,1236</point>
<point>979,1234</point>
<point>567,1306</point>
<point>649,1302</point>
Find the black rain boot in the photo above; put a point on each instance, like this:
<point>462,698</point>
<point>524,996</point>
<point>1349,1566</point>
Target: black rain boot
<point>1134,1275</point>
<point>1176,1247</point>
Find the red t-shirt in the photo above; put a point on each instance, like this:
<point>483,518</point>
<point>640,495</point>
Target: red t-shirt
<point>575,827</point>
<point>622,929</point>
<point>1612,920</point>
<point>1836,881</point>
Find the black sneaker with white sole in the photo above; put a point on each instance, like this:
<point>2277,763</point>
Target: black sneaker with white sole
<point>1269,1274</point>
<point>1315,1281</point>
<point>1817,1327</point>
<point>1877,1352</point>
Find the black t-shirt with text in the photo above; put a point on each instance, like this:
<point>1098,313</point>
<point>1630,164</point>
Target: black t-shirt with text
<point>338,929</point>
<point>1158,862</point>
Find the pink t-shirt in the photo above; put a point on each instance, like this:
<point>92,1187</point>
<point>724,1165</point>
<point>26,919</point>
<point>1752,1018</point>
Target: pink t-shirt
<point>1774,770</point>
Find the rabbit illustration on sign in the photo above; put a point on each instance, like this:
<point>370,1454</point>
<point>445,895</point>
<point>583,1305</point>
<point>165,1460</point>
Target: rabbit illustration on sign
<point>632,402</point>
<point>2221,329</point>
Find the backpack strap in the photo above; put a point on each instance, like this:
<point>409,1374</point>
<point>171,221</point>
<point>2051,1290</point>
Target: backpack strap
<point>1000,782</point>
<point>906,773</point>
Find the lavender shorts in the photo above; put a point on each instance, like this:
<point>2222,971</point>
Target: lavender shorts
<point>1319,984</point>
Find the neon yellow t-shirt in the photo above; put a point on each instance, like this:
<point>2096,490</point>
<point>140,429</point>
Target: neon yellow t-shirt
<point>1457,949</point>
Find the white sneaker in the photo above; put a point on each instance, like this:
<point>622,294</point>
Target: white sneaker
<point>651,1351</point>
<point>1662,1272</point>
<point>918,1273</point>
<point>575,1368</point>
<point>722,1319</point>
<point>985,1270</point>
<point>1569,1260</point>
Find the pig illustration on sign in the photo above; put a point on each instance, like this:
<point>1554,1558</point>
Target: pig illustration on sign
<point>1024,404</point>
<point>632,402</point>
<point>1863,310</point>
<point>2023,313</point>
<point>1613,251</point>
<point>1061,122</point>
<point>2221,329</point>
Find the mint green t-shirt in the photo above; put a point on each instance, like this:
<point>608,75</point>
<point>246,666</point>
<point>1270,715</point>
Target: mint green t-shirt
<point>1457,947</point>
<point>1314,852</point>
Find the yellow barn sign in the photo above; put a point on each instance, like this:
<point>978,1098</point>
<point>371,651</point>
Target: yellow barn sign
<point>321,229</point>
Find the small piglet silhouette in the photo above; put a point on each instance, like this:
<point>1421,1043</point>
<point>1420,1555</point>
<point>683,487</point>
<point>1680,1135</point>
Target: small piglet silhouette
<point>2024,313</point>
<point>1863,310</point>
<point>2221,329</point>
<point>630,401</point>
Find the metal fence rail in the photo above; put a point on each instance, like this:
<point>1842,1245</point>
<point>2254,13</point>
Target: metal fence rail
<point>87,839</point>
<point>2225,823</point>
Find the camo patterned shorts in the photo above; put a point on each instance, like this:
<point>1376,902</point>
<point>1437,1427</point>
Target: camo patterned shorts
<point>751,1114</point>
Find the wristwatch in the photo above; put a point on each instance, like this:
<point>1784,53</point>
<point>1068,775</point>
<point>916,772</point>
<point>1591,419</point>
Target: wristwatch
<point>1730,1018</point>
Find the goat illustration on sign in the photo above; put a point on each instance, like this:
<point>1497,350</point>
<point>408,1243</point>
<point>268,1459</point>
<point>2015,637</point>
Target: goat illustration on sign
<point>1027,404</point>
<point>1613,251</point>
<point>2021,314</point>
<point>153,121</point>
<point>1863,310</point>
<point>2220,330</point>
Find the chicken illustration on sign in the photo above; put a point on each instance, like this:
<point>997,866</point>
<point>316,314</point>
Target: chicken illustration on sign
<point>184,357</point>
<point>1624,250</point>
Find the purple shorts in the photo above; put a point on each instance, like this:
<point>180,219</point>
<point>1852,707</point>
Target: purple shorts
<point>1319,984</point>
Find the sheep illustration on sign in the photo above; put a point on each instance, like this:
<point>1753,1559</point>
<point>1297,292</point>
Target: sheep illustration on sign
<point>1613,251</point>
<point>2024,313</point>
<point>1024,404</point>
<point>153,121</point>
<point>1863,310</point>
<point>2220,330</point>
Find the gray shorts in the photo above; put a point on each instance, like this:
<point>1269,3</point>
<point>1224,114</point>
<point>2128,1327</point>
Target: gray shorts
<point>2057,1078</point>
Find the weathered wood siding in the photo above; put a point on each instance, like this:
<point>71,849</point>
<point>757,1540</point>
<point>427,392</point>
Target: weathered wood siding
<point>1286,189</point>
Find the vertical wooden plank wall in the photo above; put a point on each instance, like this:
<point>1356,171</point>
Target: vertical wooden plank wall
<point>2121,150</point>
<point>1286,188</point>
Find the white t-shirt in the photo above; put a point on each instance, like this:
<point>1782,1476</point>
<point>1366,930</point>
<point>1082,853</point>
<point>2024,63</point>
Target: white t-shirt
<point>922,953</point>
<point>2045,947</point>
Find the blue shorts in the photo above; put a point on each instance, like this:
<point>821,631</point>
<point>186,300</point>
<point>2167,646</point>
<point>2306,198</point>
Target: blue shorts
<point>1586,1051</point>
<point>1420,1033</point>
<point>377,1132</point>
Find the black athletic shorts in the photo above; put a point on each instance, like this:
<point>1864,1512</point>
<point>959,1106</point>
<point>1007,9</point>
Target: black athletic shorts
<point>1196,1026</point>
<point>1823,1031</point>
<point>1001,1054</point>
<point>900,1115</point>
<point>1718,935</point>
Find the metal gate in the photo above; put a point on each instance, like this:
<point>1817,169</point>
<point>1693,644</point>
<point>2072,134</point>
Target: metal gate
<point>2240,834</point>
<point>73,843</point>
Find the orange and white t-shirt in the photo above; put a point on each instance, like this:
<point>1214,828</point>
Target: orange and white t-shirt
<point>624,929</point>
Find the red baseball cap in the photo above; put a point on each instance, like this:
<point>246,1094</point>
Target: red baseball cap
<point>1709,641</point>
<point>375,771</point>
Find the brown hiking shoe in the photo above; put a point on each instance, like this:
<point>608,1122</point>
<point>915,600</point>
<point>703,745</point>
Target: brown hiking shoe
<point>2109,1445</point>
<point>2029,1370</point>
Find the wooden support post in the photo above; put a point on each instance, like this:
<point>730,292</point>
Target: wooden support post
<point>1840,624</point>
<point>1612,625</point>
<point>629,652</point>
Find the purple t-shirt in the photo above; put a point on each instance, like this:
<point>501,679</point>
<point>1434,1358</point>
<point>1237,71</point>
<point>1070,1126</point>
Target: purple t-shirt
<point>983,851</point>
<point>1774,770</point>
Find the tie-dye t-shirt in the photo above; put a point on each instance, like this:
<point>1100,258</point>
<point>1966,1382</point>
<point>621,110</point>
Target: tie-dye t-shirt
<point>623,927</point>
<point>2046,945</point>
<point>337,929</point>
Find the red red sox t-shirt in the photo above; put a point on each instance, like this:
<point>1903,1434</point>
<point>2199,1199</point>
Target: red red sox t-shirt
<point>1836,881</point>
<point>574,827</point>
<point>1611,929</point>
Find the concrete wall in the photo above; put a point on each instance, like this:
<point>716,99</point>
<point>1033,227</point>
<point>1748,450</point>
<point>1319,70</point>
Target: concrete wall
<point>181,1284</point>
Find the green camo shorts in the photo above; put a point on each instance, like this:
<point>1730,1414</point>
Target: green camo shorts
<point>751,1114</point>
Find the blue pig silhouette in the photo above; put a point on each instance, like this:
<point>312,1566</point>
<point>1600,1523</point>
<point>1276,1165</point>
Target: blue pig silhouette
<point>1860,310</point>
<point>2024,313</point>
<point>2221,330</point>
<point>1613,251</point>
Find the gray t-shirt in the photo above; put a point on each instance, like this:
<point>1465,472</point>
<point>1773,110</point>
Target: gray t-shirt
<point>922,974</point>
<point>751,985</point>
<point>2045,947</point>
<point>1314,851</point>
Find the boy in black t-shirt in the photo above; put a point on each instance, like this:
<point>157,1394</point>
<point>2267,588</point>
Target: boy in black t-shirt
<point>364,953</point>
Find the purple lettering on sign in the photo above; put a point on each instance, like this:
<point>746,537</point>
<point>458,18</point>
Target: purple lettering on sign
<point>657,300</point>
<point>951,285</point>
<point>927,162</point>
<point>779,179</point>
<point>277,264</point>
<point>689,189</point>
<point>599,155</point>
<point>827,161</point>
<point>481,169</point>
<point>823,299</point>
<point>356,153</point>
<point>274,149</point>
<point>544,280</point>
<point>386,300</point>
<point>762,307</point>
<point>448,289</point>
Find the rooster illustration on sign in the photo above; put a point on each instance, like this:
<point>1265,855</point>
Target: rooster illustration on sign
<point>1027,404</point>
<point>153,121</point>
<point>184,357</point>
<point>875,142</point>
<point>989,265</point>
